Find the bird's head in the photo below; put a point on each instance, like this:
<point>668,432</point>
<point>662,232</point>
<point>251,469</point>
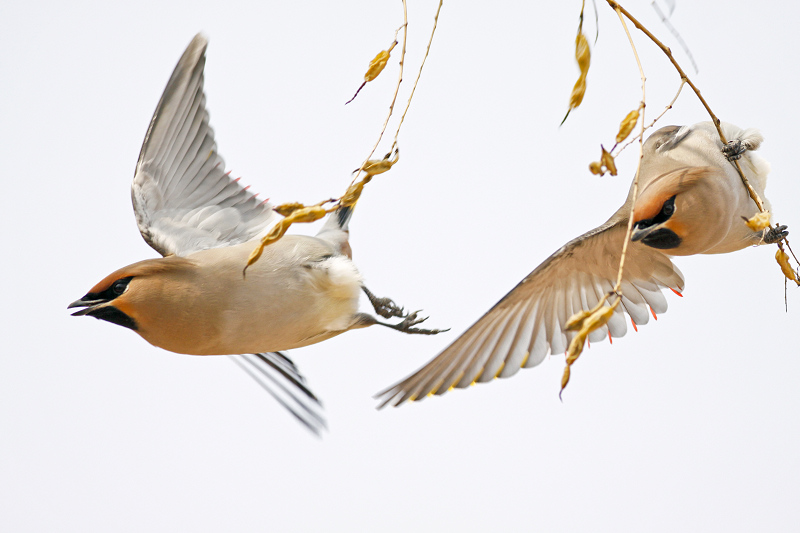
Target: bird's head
<point>679,212</point>
<point>123,296</point>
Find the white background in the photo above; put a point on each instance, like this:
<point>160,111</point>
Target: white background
<point>689,425</point>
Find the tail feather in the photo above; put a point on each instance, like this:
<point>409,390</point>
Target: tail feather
<point>278,375</point>
<point>335,230</point>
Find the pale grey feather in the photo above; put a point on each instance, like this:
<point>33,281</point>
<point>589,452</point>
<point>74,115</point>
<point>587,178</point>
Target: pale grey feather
<point>528,323</point>
<point>184,199</point>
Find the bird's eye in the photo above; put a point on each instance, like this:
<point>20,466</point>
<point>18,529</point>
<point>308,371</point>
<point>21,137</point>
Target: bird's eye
<point>669,207</point>
<point>120,285</point>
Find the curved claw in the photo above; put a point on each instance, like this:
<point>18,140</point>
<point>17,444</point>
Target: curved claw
<point>406,326</point>
<point>385,307</point>
<point>773,235</point>
<point>734,149</point>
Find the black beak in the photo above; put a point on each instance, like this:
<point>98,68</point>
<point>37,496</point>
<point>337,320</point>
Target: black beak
<point>639,232</point>
<point>88,304</point>
<point>97,309</point>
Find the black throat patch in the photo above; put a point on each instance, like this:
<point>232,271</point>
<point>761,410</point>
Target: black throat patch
<point>663,239</point>
<point>109,313</point>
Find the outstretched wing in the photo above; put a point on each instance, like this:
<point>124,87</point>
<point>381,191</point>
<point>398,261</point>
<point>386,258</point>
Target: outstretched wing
<point>183,198</point>
<point>279,376</point>
<point>528,323</point>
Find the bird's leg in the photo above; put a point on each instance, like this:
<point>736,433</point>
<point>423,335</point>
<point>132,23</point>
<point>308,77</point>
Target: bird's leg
<point>736,148</point>
<point>406,326</point>
<point>363,320</point>
<point>773,235</point>
<point>385,307</point>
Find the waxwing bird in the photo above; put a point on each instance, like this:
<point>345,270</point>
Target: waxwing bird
<point>691,201</point>
<point>196,300</point>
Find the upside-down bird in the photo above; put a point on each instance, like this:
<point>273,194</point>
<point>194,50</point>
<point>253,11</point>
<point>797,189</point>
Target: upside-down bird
<point>691,201</point>
<point>196,300</point>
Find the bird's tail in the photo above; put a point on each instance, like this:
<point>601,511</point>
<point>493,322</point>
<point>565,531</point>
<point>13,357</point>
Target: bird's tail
<point>336,231</point>
<point>279,376</point>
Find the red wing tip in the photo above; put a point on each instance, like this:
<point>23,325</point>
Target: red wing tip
<point>610,340</point>
<point>634,325</point>
<point>653,313</point>
<point>676,292</point>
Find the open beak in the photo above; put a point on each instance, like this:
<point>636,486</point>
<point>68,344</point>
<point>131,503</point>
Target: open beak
<point>640,233</point>
<point>90,306</point>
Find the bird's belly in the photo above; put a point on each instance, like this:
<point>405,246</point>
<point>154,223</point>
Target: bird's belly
<point>272,308</point>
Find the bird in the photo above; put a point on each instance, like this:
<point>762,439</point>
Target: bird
<point>195,299</point>
<point>691,201</point>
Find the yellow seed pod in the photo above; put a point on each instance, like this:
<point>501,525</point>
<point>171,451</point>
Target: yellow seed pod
<point>608,161</point>
<point>374,167</point>
<point>597,320</point>
<point>627,124</point>
<point>353,193</point>
<point>274,234</point>
<point>305,214</point>
<point>582,53</point>
<point>287,209</point>
<point>596,168</point>
<point>575,348</point>
<point>565,377</point>
<point>576,321</point>
<point>583,57</point>
<point>576,96</point>
<point>783,260</point>
<point>759,221</point>
<point>377,65</point>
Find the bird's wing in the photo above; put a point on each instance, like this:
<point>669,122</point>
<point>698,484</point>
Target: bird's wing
<point>279,376</point>
<point>183,198</point>
<point>528,322</point>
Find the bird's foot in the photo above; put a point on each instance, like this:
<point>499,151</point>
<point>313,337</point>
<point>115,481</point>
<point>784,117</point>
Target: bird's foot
<point>773,235</point>
<point>735,149</point>
<point>406,326</point>
<point>385,307</point>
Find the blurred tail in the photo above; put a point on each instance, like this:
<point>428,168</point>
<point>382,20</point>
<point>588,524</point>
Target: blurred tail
<point>279,376</point>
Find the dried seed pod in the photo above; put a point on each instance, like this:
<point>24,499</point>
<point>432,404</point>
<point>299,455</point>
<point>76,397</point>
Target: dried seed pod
<point>583,57</point>
<point>378,63</point>
<point>353,193</point>
<point>783,260</point>
<point>608,161</point>
<point>376,66</point>
<point>576,321</point>
<point>627,125</point>
<point>759,221</point>
<point>287,209</point>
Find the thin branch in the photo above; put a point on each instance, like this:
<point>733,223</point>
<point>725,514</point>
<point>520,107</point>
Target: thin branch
<point>639,135</point>
<point>396,89</point>
<point>635,191</point>
<point>753,194</point>
<point>419,74</point>
<point>619,9</point>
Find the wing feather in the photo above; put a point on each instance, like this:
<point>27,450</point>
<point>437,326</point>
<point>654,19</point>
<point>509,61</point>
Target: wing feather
<point>528,323</point>
<point>183,198</point>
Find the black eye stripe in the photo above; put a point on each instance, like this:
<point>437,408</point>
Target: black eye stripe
<point>115,290</point>
<point>669,207</point>
<point>667,210</point>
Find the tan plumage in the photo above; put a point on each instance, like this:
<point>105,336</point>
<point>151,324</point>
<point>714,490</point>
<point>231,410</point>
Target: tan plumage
<point>691,201</point>
<point>196,300</point>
